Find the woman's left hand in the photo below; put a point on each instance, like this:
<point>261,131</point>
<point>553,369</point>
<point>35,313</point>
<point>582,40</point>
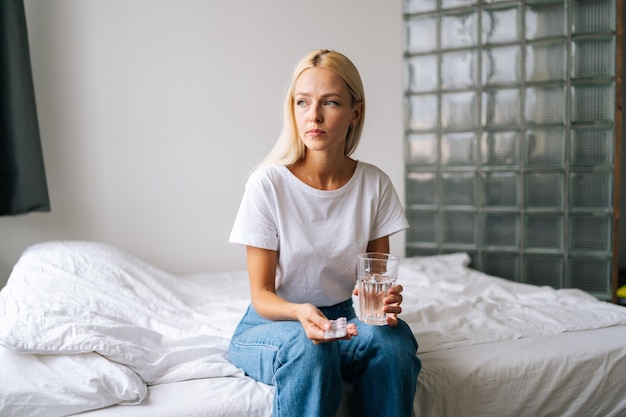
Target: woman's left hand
<point>392,304</point>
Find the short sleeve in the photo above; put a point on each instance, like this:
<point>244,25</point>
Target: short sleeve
<point>390,215</point>
<point>255,223</point>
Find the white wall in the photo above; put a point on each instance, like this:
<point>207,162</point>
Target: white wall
<point>153,112</point>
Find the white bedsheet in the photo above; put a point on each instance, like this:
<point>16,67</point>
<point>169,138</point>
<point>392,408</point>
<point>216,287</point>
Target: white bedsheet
<point>572,374</point>
<point>207,397</point>
<point>80,297</point>
<point>563,375</point>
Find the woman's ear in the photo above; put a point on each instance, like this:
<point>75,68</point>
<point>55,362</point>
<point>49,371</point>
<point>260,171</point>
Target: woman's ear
<point>356,114</point>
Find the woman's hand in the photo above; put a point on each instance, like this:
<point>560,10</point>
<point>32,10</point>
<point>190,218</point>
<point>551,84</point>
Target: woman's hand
<point>392,304</point>
<point>315,324</point>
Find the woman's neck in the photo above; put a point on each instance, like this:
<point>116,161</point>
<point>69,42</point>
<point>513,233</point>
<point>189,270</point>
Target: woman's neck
<point>324,175</point>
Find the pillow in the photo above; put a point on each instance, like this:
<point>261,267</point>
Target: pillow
<point>54,385</point>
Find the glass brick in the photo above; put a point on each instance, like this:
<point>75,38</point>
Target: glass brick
<point>500,148</point>
<point>418,6</point>
<point>459,228</point>
<point>421,251</point>
<point>422,150</point>
<point>421,188</point>
<point>590,233</point>
<point>422,112</point>
<point>593,58</point>
<point>593,16</point>
<point>423,226</point>
<point>420,34</point>
<point>524,171</point>
<point>500,25</point>
<point>543,231</point>
<point>546,61</point>
<point>503,265</point>
<point>591,190</point>
<point>544,190</point>
<point>448,4</point>
<point>501,230</point>
<point>545,20</point>
<point>502,65</point>
<point>501,189</point>
<point>590,274</point>
<point>545,105</point>
<point>421,73</point>
<point>458,110</point>
<point>459,189</point>
<point>544,270</point>
<point>458,70</point>
<point>501,107</point>
<point>459,30</point>
<point>545,147</point>
<point>592,147</point>
<point>458,149</point>
<point>593,103</point>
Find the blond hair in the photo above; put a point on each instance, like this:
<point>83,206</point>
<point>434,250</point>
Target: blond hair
<point>289,148</point>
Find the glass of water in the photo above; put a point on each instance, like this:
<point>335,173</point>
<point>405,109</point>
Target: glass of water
<point>376,273</point>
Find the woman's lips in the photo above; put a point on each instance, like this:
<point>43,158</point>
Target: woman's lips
<point>315,132</point>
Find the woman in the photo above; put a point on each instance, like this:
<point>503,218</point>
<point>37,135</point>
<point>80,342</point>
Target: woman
<point>306,213</point>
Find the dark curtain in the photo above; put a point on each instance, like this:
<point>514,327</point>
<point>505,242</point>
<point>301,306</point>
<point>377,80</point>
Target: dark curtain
<point>22,177</point>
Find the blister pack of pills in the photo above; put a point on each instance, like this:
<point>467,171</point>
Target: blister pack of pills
<point>337,329</point>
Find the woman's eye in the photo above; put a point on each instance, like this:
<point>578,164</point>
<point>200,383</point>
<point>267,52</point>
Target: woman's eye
<point>331,103</point>
<point>300,103</point>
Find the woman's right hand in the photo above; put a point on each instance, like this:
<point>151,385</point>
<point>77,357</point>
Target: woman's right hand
<point>315,324</point>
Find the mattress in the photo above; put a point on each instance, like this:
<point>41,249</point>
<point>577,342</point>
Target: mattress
<point>537,376</point>
<point>209,397</point>
<point>102,333</point>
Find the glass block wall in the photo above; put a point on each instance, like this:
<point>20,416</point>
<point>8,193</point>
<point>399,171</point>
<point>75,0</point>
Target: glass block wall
<point>510,136</point>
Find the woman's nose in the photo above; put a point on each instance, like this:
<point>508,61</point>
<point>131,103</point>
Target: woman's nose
<point>315,115</point>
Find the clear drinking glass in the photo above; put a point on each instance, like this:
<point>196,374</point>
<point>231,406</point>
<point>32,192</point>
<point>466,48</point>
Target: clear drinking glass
<point>376,273</point>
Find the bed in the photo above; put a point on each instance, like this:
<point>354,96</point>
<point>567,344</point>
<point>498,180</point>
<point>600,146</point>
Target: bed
<point>90,329</point>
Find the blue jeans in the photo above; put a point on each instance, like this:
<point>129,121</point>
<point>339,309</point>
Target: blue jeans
<point>381,362</point>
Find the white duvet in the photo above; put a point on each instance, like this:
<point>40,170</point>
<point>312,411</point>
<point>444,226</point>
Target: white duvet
<point>118,322</point>
<point>97,324</point>
<point>447,304</point>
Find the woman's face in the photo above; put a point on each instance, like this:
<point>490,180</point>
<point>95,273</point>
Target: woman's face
<point>323,110</point>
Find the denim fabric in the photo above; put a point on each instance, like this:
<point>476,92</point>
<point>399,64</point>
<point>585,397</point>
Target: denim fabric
<point>381,362</point>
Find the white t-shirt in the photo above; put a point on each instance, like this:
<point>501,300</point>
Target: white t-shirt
<point>317,233</point>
